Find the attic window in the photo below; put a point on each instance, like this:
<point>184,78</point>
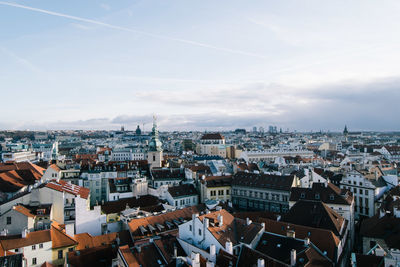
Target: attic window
<point>331,197</point>
<point>303,195</point>
<point>317,196</point>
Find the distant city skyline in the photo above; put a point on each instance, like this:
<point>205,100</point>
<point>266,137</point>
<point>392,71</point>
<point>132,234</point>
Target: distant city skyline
<point>304,65</point>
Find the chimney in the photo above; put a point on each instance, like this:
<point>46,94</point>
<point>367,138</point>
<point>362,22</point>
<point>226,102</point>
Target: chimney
<point>278,218</point>
<point>248,221</point>
<point>293,257</point>
<point>263,226</point>
<point>194,216</point>
<point>306,241</point>
<point>195,259</point>
<point>175,251</point>
<point>229,247</point>
<point>117,239</point>
<point>70,229</point>
<point>210,264</point>
<point>291,233</point>
<point>24,233</point>
<point>260,263</point>
<point>213,256</point>
<point>220,220</point>
<point>206,223</point>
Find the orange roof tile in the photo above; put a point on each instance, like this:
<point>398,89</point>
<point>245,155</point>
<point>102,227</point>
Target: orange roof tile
<point>32,238</point>
<point>60,239</point>
<point>24,211</point>
<point>64,186</point>
<point>128,256</point>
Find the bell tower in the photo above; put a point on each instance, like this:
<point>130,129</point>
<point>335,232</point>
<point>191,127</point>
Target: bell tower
<point>155,153</point>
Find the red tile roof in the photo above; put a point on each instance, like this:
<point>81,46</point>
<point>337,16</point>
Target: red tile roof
<point>64,186</point>
<point>60,239</point>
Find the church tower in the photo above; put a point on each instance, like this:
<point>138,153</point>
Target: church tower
<point>345,133</point>
<point>155,153</point>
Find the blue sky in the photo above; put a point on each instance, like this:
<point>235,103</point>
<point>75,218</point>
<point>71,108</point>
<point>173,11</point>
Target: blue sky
<point>200,64</point>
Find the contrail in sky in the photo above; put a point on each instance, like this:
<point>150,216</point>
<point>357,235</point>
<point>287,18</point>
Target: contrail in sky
<point>158,36</point>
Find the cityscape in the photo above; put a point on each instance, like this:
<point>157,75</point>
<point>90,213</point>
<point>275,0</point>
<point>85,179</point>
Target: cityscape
<point>203,134</point>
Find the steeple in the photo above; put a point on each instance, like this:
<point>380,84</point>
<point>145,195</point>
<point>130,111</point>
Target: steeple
<point>155,153</point>
<point>155,144</point>
<point>345,131</point>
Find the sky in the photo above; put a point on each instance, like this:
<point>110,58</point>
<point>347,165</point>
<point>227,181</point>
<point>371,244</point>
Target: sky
<point>200,65</point>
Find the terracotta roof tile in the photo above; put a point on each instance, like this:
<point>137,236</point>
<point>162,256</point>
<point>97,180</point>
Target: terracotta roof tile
<point>64,186</point>
<point>60,239</point>
<point>32,238</point>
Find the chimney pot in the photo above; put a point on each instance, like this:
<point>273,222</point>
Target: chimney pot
<point>213,257</point>
<point>229,247</point>
<point>293,257</point>
<point>291,233</point>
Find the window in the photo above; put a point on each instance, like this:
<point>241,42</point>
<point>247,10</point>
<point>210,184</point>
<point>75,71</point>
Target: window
<point>372,244</point>
<point>317,196</point>
<point>8,220</point>
<point>34,247</point>
<point>302,195</point>
<point>220,192</point>
<point>190,228</point>
<point>71,249</point>
<point>33,261</point>
<point>199,231</point>
<point>40,245</point>
<point>331,197</point>
<point>60,254</point>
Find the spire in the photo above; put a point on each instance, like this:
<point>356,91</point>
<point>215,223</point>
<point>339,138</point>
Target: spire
<point>155,143</point>
<point>345,131</point>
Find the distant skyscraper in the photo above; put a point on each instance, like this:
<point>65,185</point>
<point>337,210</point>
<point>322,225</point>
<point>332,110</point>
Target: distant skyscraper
<point>272,129</point>
<point>254,129</point>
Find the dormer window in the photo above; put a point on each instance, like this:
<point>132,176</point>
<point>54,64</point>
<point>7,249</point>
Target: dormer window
<point>331,197</point>
<point>317,196</point>
<point>302,195</point>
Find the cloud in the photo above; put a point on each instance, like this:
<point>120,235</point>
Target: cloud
<point>116,27</point>
<point>362,106</point>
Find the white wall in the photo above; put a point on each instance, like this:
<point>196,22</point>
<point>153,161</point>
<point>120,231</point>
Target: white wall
<point>88,221</point>
<point>41,254</point>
